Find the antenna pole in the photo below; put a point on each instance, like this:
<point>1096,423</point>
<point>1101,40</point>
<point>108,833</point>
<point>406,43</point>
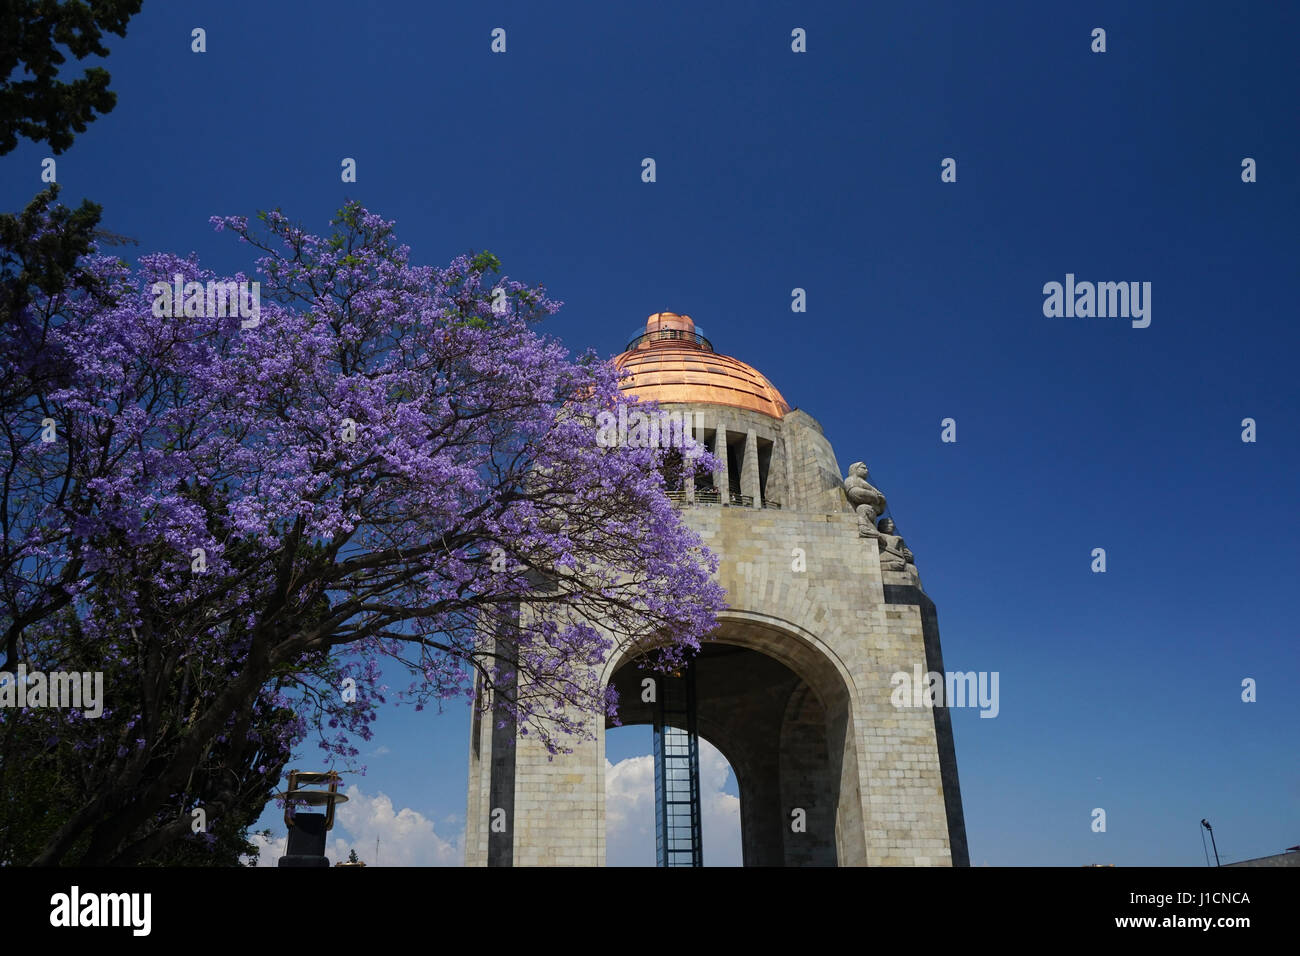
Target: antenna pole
<point>1206,824</point>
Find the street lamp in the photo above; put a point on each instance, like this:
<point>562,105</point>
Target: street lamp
<point>306,846</point>
<point>1206,824</point>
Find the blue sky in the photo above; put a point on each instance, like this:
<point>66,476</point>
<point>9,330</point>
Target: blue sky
<point>821,171</point>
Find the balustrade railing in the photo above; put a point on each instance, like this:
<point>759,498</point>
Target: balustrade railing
<point>711,496</point>
<point>660,334</point>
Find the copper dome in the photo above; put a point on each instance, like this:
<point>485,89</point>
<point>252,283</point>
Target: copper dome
<point>671,362</point>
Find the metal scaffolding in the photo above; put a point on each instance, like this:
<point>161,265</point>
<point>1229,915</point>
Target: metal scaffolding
<point>677,771</point>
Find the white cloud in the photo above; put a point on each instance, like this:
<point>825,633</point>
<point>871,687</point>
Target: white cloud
<point>406,837</point>
<point>269,851</point>
<point>630,811</point>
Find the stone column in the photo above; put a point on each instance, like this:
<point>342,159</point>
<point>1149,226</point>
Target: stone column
<point>722,478</point>
<point>694,424</point>
<point>749,484</point>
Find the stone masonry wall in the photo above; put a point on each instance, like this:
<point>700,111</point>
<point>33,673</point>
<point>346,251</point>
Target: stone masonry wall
<point>805,589</point>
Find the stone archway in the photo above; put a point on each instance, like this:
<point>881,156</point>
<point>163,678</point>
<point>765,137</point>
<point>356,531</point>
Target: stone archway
<point>778,708</point>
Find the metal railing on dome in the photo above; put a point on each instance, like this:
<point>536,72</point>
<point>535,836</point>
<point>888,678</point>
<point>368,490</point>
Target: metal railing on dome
<point>658,334</point>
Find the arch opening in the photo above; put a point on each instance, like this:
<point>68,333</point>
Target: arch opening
<point>630,800</point>
<point>783,730</point>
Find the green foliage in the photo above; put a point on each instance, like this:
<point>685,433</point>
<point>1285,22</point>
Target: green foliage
<point>34,102</point>
<point>484,262</point>
<point>46,261</point>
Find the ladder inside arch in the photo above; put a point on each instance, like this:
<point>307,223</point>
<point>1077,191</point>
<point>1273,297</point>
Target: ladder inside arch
<point>677,771</point>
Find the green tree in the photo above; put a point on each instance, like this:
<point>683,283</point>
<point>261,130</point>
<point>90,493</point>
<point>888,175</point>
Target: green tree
<point>34,102</point>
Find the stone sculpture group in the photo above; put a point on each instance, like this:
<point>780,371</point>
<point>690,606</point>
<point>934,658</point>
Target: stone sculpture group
<point>868,502</point>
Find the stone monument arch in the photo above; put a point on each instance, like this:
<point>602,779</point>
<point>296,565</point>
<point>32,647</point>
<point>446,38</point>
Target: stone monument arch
<point>794,687</point>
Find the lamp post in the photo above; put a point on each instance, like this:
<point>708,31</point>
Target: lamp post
<point>306,847</point>
<point>1206,824</point>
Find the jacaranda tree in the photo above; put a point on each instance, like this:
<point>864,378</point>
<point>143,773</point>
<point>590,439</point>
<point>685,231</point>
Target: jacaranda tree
<point>235,514</point>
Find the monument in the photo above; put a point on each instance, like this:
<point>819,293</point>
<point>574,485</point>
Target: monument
<point>794,688</point>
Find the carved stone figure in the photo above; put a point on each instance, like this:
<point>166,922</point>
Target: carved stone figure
<point>865,498</point>
<point>894,553</point>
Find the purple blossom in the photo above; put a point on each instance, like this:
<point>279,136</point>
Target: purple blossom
<point>301,499</point>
